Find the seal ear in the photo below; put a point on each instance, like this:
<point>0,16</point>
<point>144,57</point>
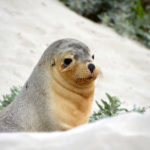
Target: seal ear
<point>53,62</point>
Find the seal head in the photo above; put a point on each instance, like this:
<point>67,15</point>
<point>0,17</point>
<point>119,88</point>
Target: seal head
<point>74,62</point>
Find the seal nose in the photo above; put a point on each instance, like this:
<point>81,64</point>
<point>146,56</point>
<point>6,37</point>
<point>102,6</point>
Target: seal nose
<point>91,67</point>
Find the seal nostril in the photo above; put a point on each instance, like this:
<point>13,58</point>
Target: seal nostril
<point>91,67</point>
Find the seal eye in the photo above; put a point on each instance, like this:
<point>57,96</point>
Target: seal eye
<point>93,57</point>
<point>67,61</point>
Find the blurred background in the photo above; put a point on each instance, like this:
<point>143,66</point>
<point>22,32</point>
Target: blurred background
<point>127,17</point>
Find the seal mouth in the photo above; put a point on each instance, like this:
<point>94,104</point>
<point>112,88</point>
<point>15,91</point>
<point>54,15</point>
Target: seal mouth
<point>90,78</point>
<point>86,79</point>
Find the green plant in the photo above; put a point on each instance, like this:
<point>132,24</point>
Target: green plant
<point>107,109</point>
<point>112,108</point>
<point>127,17</point>
<point>8,98</point>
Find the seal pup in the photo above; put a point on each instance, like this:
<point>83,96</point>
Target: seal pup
<point>59,92</point>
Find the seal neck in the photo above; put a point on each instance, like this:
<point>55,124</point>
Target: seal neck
<point>71,106</point>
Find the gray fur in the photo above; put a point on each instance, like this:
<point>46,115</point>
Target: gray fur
<point>30,110</point>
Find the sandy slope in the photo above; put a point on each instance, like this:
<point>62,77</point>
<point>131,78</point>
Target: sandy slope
<point>27,27</point>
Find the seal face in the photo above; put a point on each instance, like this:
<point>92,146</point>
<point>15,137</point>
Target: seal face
<point>58,94</point>
<point>76,66</point>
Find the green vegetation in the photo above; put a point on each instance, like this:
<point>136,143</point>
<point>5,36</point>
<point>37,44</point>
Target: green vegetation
<point>127,17</point>
<point>112,108</point>
<point>107,109</point>
<point>8,98</point>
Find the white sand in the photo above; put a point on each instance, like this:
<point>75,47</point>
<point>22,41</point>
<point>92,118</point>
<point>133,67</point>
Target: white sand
<point>98,136</point>
<point>27,27</point>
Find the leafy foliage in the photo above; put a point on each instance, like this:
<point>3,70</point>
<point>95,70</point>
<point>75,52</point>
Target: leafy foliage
<point>107,109</point>
<point>112,108</point>
<point>8,98</point>
<point>127,17</point>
